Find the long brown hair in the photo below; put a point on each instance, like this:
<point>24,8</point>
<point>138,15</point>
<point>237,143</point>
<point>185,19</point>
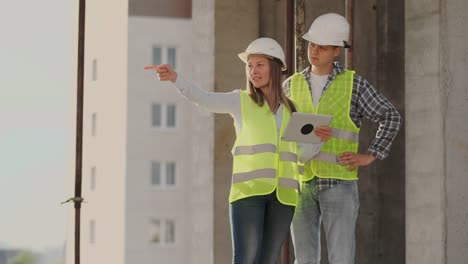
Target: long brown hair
<point>276,80</point>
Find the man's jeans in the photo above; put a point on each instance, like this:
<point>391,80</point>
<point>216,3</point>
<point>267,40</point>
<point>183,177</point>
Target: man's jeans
<point>259,225</point>
<point>337,208</point>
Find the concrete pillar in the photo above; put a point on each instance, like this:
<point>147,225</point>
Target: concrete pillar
<point>273,20</point>
<point>365,64</point>
<point>390,172</point>
<point>236,25</point>
<point>202,196</point>
<point>437,148</point>
<point>454,57</point>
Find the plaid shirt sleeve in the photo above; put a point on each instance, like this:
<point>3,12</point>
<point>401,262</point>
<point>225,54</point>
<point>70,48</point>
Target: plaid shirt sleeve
<point>369,103</point>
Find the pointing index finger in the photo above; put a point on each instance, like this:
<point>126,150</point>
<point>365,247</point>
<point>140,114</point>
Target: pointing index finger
<point>151,67</point>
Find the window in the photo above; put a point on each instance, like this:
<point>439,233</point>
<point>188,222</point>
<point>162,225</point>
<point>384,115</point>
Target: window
<point>155,231</point>
<point>93,178</point>
<point>169,236</point>
<point>171,115</point>
<point>171,57</point>
<point>92,229</point>
<point>157,55</point>
<point>156,115</point>
<point>157,169</point>
<point>94,73</point>
<point>170,173</point>
<point>93,124</point>
<point>155,173</point>
<point>163,116</point>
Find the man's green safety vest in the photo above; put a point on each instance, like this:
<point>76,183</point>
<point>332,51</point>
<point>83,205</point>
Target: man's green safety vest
<point>335,101</point>
<point>262,162</point>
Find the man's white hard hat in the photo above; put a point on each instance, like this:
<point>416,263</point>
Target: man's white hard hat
<point>329,29</point>
<point>264,46</point>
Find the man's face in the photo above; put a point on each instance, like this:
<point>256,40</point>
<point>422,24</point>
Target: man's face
<point>321,56</point>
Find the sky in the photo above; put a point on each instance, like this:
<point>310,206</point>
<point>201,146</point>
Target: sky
<point>36,89</point>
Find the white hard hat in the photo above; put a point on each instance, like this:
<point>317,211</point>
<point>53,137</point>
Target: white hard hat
<point>329,29</point>
<point>264,46</point>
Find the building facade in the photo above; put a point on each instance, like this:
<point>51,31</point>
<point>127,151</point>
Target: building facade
<point>136,165</point>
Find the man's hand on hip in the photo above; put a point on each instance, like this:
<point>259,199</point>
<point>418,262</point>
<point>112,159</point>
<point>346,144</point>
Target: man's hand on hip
<point>354,160</point>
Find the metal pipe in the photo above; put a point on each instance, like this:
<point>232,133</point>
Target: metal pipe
<point>349,51</point>
<point>79,127</point>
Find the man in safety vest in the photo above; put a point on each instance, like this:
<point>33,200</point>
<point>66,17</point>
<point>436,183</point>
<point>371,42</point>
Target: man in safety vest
<point>329,190</point>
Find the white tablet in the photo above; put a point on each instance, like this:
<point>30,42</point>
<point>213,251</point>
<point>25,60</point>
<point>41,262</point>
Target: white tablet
<point>301,127</point>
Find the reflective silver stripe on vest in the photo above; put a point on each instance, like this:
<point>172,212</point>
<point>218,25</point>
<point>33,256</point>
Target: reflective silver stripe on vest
<point>288,156</point>
<point>288,183</point>
<point>346,135</point>
<point>300,168</point>
<point>327,157</point>
<point>255,149</point>
<point>251,175</point>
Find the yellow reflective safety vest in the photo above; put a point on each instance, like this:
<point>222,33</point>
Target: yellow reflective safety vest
<point>263,162</point>
<point>335,101</point>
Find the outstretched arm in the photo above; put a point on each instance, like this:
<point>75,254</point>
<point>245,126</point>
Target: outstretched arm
<point>212,102</point>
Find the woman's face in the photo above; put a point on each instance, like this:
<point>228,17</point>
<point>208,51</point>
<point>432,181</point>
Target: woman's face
<point>258,69</point>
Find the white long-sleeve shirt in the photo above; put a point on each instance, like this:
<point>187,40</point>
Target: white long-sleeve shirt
<point>229,103</point>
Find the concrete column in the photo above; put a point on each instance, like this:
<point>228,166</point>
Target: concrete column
<point>201,202</point>
<point>365,64</point>
<point>454,34</point>
<point>437,148</point>
<point>236,25</point>
<point>273,20</point>
<point>379,58</point>
<point>391,171</point>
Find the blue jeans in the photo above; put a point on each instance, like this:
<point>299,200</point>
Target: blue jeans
<point>259,225</point>
<point>337,208</point>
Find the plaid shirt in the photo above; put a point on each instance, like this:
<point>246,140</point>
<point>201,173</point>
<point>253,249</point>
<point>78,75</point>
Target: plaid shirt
<point>365,102</point>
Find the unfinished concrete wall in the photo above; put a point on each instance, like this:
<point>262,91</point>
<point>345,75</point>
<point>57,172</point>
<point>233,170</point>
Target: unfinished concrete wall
<point>436,104</point>
<point>272,20</point>
<point>364,49</point>
<point>390,173</point>
<point>425,190</point>
<point>236,25</point>
<point>455,100</point>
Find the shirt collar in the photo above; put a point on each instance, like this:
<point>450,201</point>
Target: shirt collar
<point>337,69</point>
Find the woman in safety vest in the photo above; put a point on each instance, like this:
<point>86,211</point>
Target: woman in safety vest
<point>265,183</point>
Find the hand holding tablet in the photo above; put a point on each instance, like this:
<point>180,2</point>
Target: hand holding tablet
<point>301,127</point>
